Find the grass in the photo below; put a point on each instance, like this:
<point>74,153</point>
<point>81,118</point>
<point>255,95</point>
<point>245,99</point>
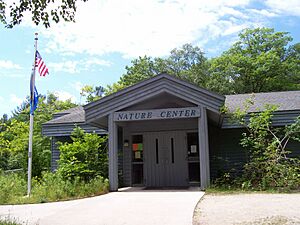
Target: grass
<point>215,190</point>
<point>9,221</point>
<point>224,190</point>
<point>51,187</point>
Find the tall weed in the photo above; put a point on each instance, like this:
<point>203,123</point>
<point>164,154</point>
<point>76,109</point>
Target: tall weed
<point>51,187</point>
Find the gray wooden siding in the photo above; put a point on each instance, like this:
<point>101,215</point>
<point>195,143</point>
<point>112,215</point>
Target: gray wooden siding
<point>164,100</point>
<point>226,154</point>
<point>55,151</point>
<point>280,118</point>
<point>58,130</point>
<point>294,148</point>
<point>163,125</point>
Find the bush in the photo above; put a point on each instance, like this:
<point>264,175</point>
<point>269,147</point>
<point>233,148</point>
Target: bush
<point>85,158</point>
<point>269,165</point>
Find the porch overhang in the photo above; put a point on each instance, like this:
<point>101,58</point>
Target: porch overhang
<point>96,113</point>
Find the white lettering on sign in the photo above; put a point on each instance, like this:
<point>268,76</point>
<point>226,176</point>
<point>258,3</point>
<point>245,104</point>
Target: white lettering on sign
<point>157,114</point>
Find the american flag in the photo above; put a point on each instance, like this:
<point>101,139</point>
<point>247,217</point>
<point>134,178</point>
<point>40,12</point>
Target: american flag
<point>39,63</point>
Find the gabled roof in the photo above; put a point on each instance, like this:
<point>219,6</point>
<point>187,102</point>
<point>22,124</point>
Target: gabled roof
<point>286,101</point>
<point>64,123</point>
<point>146,89</point>
<point>68,111</point>
<point>73,115</point>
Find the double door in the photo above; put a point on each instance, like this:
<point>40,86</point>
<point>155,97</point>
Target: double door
<point>165,159</point>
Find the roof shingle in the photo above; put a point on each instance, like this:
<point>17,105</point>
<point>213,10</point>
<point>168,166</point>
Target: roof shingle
<point>286,101</point>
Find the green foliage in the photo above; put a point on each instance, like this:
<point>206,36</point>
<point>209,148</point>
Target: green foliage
<point>41,11</point>
<point>259,61</point>
<point>269,164</point>
<point>187,62</point>
<point>91,93</point>
<point>220,80</point>
<point>53,187</point>
<point>14,144</point>
<point>15,131</point>
<point>50,187</point>
<point>84,158</point>
<point>11,186</point>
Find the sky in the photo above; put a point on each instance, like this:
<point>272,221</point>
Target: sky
<point>108,34</point>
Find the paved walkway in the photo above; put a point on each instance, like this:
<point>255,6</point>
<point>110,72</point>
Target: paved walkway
<point>126,207</point>
<point>248,209</point>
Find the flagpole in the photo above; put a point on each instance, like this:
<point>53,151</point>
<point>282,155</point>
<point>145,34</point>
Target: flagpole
<point>31,119</point>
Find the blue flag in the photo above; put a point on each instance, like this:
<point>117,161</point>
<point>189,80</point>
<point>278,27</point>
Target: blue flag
<point>34,96</point>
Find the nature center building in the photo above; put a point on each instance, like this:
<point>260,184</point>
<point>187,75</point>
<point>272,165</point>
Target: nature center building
<point>166,132</point>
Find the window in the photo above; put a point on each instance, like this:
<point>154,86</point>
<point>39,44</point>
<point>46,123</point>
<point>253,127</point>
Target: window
<point>137,149</point>
<point>193,157</point>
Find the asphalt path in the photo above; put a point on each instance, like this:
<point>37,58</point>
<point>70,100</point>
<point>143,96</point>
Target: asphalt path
<point>131,206</point>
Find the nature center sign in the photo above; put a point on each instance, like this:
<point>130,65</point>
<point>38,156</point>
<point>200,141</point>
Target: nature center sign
<point>157,114</point>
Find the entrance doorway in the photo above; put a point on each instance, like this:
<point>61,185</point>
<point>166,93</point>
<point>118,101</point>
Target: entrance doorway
<point>165,159</point>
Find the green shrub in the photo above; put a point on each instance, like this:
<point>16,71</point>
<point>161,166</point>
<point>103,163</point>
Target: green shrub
<point>270,165</point>
<point>85,158</point>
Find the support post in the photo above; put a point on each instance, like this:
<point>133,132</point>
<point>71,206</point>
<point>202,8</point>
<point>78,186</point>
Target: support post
<point>32,90</point>
<point>30,155</point>
<point>203,149</point>
<point>112,153</point>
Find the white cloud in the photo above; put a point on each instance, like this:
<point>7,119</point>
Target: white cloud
<point>7,64</point>
<point>77,86</point>
<point>149,27</point>
<point>94,61</point>
<point>15,99</point>
<point>76,66</point>
<point>64,95</point>
<point>66,66</point>
<point>12,74</point>
<point>290,7</point>
<point>263,13</point>
<point>154,27</point>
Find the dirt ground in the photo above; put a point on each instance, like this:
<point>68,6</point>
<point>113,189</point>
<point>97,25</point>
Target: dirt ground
<point>248,209</point>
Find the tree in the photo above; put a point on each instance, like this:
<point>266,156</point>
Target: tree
<point>220,80</point>
<point>13,144</point>
<point>259,61</point>
<point>293,60</point>
<point>92,93</point>
<point>84,158</point>
<point>41,11</point>
<point>187,62</point>
<point>14,135</point>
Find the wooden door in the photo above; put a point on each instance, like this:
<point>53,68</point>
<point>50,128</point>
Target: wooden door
<point>165,162</point>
